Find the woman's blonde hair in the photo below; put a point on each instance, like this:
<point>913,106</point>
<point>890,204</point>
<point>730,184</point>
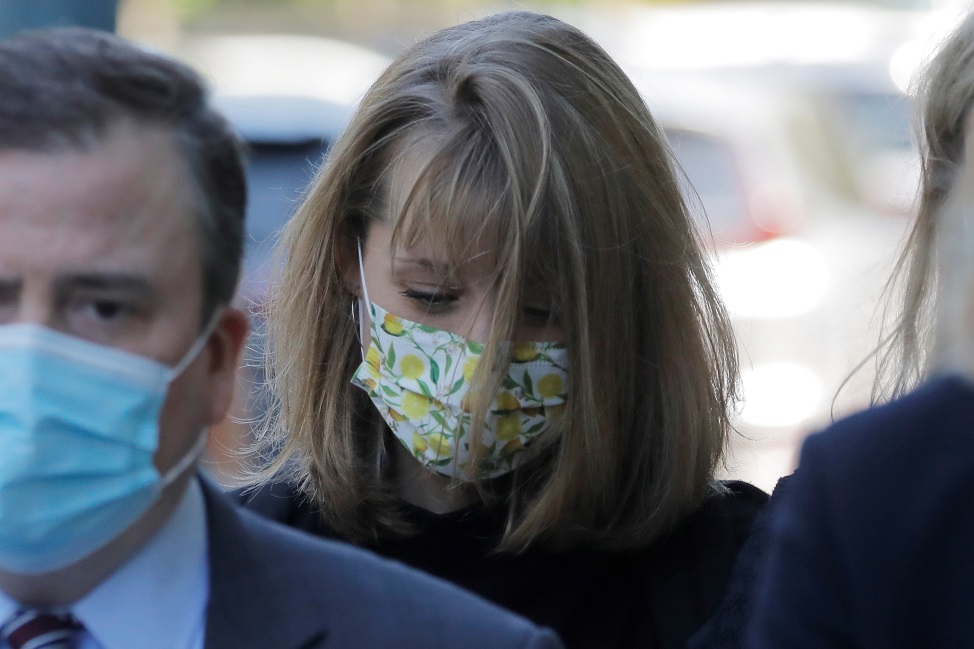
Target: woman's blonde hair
<point>525,129</point>
<point>906,354</point>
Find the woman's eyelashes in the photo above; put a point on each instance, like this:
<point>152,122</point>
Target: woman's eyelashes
<point>443,299</point>
<point>431,300</point>
<point>538,315</point>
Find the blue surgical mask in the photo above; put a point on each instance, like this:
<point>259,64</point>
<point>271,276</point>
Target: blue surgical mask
<point>79,426</point>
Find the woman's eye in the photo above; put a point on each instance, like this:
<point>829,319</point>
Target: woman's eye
<point>538,315</point>
<point>430,299</point>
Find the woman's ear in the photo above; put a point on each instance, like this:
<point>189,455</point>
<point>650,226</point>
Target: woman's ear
<point>347,260</point>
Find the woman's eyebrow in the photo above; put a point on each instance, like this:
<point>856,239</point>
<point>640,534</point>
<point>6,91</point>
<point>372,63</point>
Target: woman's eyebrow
<point>430,265</point>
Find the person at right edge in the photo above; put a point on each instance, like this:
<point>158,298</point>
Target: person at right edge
<point>496,348</point>
<point>872,544</point>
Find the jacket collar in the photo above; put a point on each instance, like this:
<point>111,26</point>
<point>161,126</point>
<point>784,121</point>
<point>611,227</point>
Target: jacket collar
<point>257,594</point>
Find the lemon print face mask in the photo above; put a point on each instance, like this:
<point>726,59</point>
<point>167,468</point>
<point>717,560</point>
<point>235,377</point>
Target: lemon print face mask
<point>419,377</point>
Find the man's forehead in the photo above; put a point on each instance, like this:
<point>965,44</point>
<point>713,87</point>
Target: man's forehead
<point>123,203</point>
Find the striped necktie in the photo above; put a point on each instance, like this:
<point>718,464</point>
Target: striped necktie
<point>33,630</point>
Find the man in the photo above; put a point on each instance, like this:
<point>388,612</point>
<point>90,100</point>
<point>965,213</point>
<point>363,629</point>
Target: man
<point>121,221</point>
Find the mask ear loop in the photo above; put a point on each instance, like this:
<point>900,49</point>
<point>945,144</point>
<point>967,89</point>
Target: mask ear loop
<point>196,450</point>
<point>380,442</point>
<point>361,306</point>
<point>197,346</point>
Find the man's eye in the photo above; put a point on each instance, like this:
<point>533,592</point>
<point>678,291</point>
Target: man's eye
<point>108,310</point>
<point>104,309</point>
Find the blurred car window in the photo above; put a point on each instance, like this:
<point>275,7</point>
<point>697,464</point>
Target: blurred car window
<point>712,175</point>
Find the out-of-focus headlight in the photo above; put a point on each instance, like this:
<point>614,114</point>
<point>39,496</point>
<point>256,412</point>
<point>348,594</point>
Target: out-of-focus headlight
<point>774,279</point>
<point>779,394</point>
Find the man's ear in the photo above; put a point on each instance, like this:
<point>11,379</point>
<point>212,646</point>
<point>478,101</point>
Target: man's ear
<point>225,346</point>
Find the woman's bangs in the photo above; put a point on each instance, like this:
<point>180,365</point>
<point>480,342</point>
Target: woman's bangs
<point>461,200</point>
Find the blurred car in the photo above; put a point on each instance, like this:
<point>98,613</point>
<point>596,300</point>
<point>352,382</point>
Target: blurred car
<point>793,126</point>
<point>289,97</point>
<point>851,62</point>
<point>799,260</point>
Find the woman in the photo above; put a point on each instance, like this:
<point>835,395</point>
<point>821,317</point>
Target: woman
<point>871,545</point>
<point>503,181</point>
<point>905,355</point>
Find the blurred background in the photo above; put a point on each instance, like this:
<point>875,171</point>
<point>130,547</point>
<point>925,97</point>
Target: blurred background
<point>793,122</point>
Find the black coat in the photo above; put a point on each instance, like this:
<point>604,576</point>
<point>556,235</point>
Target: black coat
<point>873,545</point>
<point>653,597</point>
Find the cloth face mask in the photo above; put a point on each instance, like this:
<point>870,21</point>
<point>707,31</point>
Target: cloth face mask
<point>79,426</point>
<point>418,377</point>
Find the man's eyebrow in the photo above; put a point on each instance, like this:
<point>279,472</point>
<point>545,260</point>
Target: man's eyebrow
<point>120,282</point>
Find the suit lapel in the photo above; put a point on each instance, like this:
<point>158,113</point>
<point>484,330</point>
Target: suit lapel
<point>257,600</point>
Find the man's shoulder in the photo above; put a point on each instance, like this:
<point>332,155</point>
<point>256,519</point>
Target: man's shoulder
<point>366,600</point>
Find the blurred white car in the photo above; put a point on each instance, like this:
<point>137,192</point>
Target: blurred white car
<point>800,262</point>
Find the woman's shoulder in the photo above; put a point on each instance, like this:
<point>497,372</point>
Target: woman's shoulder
<point>691,567</point>
<point>751,510</point>
<point>723,519</point>
<point>733,503</point>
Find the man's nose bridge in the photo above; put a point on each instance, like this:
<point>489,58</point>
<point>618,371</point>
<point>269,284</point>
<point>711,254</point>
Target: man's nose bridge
<point>36,305</point>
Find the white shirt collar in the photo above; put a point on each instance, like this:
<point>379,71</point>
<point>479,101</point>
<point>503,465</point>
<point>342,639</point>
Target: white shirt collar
<point>157,600</point>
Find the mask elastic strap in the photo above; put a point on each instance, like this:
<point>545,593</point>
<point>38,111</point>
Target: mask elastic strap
<point>362,303</point>
<point>188,460</point>
<point>197,346</point>
<point>361,270</point>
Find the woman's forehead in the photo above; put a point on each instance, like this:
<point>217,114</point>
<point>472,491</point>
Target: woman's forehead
<point>433,252</point>
<point>437,215</point>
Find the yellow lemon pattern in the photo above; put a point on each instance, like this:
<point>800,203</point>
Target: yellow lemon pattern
<point>469,367</point>
<point>372,361</point>
<point>412,366</point>
<point>551,385</point>
<point>421,381</point>
<point>525,353</point>
<point>507,402</point>
<point>392,325</point>
<point>508,428</point>
<point>419,444</point>
<point>415,406</point>
<point>439,444</point>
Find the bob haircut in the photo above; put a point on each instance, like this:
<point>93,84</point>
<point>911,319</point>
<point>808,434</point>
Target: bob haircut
<point>526,130</point>
<point>907,354</point>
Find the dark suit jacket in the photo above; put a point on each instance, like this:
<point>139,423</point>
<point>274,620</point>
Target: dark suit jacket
<point>274,588</point>
<point>873,545</point>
